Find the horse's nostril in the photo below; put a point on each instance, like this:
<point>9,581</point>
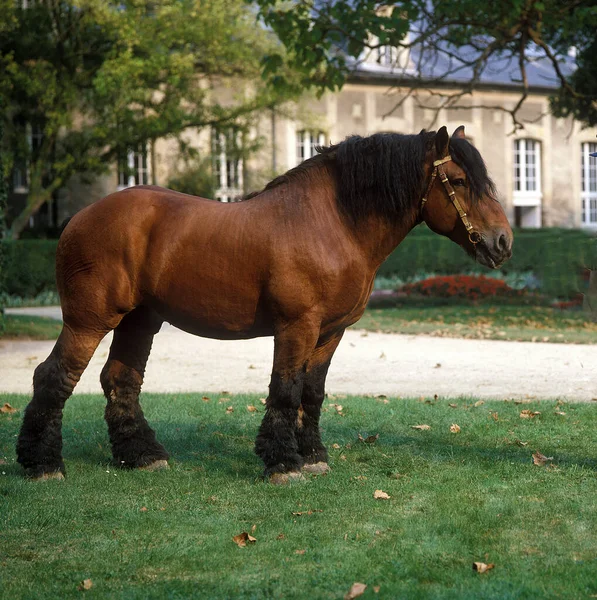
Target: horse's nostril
<point>503,243</point>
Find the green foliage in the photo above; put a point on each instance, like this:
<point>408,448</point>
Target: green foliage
<point>324,40</point>
<point>3,206</point>
<point>30,268</point>
<point>454,499</point>
<point>194,178</point>
<point>100,77</point>
<point>558,257</point>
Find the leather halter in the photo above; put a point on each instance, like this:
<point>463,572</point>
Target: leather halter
<point>473,236</point>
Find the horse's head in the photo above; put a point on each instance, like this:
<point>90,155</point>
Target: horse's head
<point>460,201</point>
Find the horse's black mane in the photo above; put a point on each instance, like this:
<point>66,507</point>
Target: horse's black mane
<point>384,173</point>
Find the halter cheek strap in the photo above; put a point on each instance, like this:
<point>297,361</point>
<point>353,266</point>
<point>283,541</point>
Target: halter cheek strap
<point>473,236</point>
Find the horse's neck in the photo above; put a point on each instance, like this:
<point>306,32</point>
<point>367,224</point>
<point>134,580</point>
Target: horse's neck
<point>379,237</point>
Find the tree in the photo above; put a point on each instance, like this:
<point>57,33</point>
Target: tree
<point>86,80</point>
<point>2,226</point>
<point>447,41</point>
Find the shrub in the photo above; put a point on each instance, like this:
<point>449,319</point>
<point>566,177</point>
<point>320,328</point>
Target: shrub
<point>30,267</point>
<point>472,287</point>
<point>558,257</point>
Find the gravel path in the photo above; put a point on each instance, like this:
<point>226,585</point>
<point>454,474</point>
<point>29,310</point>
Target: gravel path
<point>365,363</point>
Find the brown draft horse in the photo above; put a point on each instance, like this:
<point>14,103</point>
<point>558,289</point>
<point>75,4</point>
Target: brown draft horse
<point>296,261</point>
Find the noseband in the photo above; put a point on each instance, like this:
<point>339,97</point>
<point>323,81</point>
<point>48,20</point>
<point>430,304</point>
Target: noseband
<point>473,236</point>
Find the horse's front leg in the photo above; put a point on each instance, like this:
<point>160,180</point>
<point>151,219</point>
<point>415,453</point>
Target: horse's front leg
<point>311,448</point>
<point>277,443</point>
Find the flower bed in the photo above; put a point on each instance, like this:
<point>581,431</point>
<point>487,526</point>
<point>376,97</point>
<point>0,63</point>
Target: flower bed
<point>472,287</point>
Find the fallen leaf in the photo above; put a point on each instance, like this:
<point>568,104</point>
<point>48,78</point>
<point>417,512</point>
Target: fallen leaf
<point>540,459</point>
<point>336,446</point>
<point>455,428</point>
<point>251,408</point>
<point>370,439</point>
<point>342,456</point>
<point>143,509</point>
<point>253,529</point>
<point>280,536</point>
<point>382,355</point>
<point>453,405</point>
<point>522,443</point>
<point>421,427</point>
<point>478,403</point>
<point>206,398</point>
<point>559,412</point>
<point>7,408</point>
<point>299,551</point>
<point>251,366</point>
<point>437,365</point>
<point>379,495</point>
<point>494,416</point>
<point>230,410</point>
<point>242,538</point>
<point>481,567</point>
<point>307,512</point>
<point>355,591</point>
<point>383,396</point>
<point>529,414</point>
<point>86,584</point>
<point>376,588</point>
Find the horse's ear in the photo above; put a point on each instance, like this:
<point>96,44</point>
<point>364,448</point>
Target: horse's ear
<point>442,142</point>
<point>459,133</point>
<point>423,131</point>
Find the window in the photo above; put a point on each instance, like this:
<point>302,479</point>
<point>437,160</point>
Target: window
<point>133,168</point>
<point>34,136</point>
<point>228,165</point>
<point>527,183</point>
<point>306,141</point>
<point>588,170</point>
<point>527,167</point>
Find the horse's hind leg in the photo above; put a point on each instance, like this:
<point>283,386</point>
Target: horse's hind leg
<point>311,448</point>
<point>133,441</point>
<point>39,446</point>
<point>276,442</point>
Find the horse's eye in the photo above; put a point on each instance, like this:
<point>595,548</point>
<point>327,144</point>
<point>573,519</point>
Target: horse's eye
<point>459,182</point>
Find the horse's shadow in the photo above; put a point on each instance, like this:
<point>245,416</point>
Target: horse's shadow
<point>228,448</point>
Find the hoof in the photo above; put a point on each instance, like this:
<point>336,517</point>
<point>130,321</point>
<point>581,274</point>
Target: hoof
<point>285,478</point>
<point>318,468</point>
<point>156,465</point>
<point>47,476</point>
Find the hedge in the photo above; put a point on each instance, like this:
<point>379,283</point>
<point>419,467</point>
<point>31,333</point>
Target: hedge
<point>556,256</point>
<point>29,267</point>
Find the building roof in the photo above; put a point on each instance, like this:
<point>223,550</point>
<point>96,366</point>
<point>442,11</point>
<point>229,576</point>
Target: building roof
<point>448,68</point>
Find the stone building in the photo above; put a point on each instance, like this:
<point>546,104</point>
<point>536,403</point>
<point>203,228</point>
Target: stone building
<point>543,172</point>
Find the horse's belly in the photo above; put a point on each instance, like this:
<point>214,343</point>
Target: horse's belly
<point>221,322</point>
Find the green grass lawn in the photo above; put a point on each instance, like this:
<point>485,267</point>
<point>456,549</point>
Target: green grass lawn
<point>32,328</point>
<point>484,321</point>
<point>455,498</point>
